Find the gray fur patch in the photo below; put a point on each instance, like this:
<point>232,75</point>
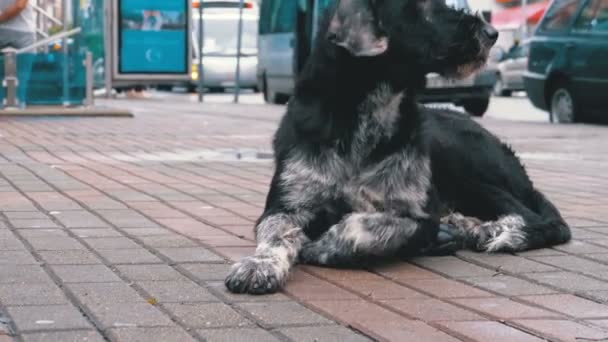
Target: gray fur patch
<point>359,234</point>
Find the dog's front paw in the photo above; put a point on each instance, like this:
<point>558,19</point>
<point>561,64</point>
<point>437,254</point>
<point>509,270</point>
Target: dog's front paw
<point>255,276</point>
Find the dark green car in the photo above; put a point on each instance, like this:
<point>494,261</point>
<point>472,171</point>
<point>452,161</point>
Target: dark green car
<point>568,61</point>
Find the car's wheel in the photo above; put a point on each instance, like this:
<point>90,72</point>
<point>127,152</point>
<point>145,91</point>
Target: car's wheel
<point>477,107</point>
<point>216,90</point>
<point>164,87</point>
<point>265,91</point>
<point>271,97</point>
<point>499,88</point>
<point>562,105</point>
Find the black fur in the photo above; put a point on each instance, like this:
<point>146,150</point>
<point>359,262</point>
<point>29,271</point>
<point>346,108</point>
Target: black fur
<point>363,171</point>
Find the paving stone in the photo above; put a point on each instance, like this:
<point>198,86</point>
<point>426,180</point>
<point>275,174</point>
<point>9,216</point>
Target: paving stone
<point>129,256</point>
<point>95,233</point>
<point>600,296</point>
<point>504,308</point>
<point>79,219</point>
<point>237,335</point>
<point>453,267</point>
<point>11,243</point>
<point>446,288</point>
<point>183,291</point>
<point>33,223</point>
<point>190,254</point>
<point>148,232</point>
<point>54,243</point>
<point>430,309</point>
<point>23,274</point>
<point>328,333</point>
<point>509,263</point>
<point>207,315</point>
<point>379,322</point>
<point>25,215</point>
<point>149,272</point>
<point>47,317</point>
<point>580,247</point>
<point>282,313</point>
<point>12,258</point>
<point>42,232</point>
<point>579,265</point>
<point>98,294</point>
<point>167,241</point>
<point>64,336</point>
<point>69,257</point>
<point>510,286</point>
<point>563,330</point>
<point>127,219</point>
<point>111,243</point>
<point>304,286</point>
<point>31,294</point>
<point>570,305</point>
<point>219,288</point>
<point>207,271</point>
<point>568,281</point>
<point>150,334</point>
<point>489,331</point>
<point>119,315</point>
<point>85,273</point>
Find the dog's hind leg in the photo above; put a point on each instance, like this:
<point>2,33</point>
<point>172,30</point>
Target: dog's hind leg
<point>360,235</point>
<point>520,224</point>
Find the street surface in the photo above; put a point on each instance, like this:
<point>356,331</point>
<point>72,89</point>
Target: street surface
<point>123,229</point>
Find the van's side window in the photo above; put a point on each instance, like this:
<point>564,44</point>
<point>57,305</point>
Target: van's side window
<point>284,16</point>
<point>560,15</point>
<point>265,15</point>
<point>594,17</point>
<point>277,16</point>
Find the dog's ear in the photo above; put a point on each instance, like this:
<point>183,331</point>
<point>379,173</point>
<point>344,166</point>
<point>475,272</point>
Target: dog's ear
<point>354,27</point>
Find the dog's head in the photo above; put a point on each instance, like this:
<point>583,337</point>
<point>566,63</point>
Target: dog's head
<point>425,34</point>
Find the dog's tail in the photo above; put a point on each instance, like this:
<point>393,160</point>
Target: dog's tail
<point>551,230</point>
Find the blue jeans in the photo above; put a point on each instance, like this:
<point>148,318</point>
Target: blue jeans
<point>19,40</point>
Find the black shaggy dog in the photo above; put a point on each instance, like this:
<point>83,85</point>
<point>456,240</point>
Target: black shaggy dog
<point>363,171</point>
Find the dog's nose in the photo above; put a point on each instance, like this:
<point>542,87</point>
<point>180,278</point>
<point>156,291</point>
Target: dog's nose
<point>490,33</point>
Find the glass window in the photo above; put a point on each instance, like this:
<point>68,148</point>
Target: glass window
<point>594,17</point>
<point>265,15</point>
<point>284,16</point>
<point>559,15</point>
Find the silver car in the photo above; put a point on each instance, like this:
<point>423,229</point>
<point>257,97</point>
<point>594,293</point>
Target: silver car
<point>220,48</point>
<point>510,74</point>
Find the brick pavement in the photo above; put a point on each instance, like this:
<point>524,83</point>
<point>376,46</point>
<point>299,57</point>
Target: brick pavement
<point>122,229</point>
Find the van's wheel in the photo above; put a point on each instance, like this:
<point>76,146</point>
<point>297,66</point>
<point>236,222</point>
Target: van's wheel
<point>562,105</point>
<point>477,107</point>
<point>499,88</point>
<point>270,97</point>
<point>265,91</point>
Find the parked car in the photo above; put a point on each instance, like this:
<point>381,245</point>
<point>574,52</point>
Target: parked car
<point>567,68</point>
<point>287,28</point>
<point>511,68</point>
<point>220,34</point>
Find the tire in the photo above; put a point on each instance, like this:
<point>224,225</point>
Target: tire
<point>562,105</point>
<point>192,88</point>
<point>164,87</point>
<point>477,107</point>
<point>216,90</point>
<point>270,97</point>
<point>499,88</point>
